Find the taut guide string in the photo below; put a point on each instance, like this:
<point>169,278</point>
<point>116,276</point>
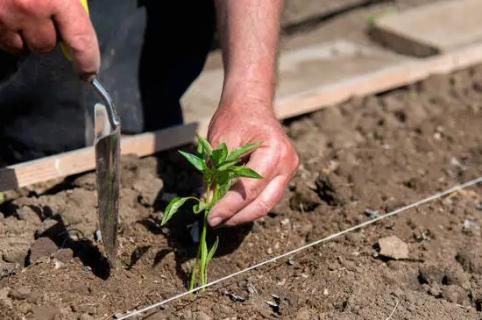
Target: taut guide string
<point>309,245</point>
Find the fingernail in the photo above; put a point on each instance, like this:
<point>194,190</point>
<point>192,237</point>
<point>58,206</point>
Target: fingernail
<point>215,221</point>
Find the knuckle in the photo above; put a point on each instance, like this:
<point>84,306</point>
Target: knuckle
<point>25,6</point>
<point>290,157</point>
<point>224,214</point>
<point>263,208</point>
<point>11,43</point>
<point>80,42</point>
<point>295,162</point>
<point>44,48</point>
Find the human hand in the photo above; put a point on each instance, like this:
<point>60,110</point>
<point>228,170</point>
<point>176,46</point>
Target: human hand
<point>276,160</point>
<point>36,25</point>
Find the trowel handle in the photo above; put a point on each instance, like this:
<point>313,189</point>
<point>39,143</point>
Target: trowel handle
<point>106,97</point>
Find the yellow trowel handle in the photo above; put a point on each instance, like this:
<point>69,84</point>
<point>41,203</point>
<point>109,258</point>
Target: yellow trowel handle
<point>65,48</point>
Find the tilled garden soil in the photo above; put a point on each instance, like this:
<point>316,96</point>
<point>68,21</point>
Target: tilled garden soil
<point>360,159</point>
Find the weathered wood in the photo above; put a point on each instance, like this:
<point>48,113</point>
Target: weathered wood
<point>82,160</point>
<point>432,28</point>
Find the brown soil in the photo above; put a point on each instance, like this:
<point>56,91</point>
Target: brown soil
<point>362,158</point>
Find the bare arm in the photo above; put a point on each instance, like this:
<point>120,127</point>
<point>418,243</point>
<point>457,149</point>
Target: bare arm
<point>249,38</point>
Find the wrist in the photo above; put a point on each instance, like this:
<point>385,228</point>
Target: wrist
<point>248,92</point>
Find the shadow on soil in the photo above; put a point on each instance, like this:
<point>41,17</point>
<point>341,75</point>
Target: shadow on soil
<point>82,247</point>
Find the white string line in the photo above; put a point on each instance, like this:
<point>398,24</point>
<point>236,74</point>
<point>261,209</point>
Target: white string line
<point>309,245</point>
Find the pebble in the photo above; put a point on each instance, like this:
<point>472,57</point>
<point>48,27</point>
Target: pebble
<point>7,269</point>
<point>28,214</point>
<point>149,190</point>
<point>303,314</point>
<point>72,215</point>
<point>20,293</point>
<point>201,316</point>
<point>471,259</point>
<point>42,247</point>
<point>16,253</point>
<point>4,298</point>
<point>64,255</point>
<point>392,247</point>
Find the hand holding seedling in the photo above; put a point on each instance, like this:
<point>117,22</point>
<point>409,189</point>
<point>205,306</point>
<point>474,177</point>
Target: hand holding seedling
<point>275,160</point>
<point>245,113</point>
<point>219,168</point>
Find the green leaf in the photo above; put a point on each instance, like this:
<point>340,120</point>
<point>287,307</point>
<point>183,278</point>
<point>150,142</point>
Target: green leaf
<point>205,146</point>
<point>237,153</point>
<point>212,251</point>
<point>174,205</point>
<point>197,162</point>
<point>219,154</point>
<point>246,172</point>
<point>198,207</point>
<point>227,164</point>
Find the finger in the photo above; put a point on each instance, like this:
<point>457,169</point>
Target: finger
<point>78,34</point>
<point>42,38</point>
<point>260,207</point>
<point>245,190</point>
<point>11,41</point>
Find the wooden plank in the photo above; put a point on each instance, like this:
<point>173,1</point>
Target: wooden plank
<point>299,70</point>
<point>431,29</point>
<point>382,80</point>
<point>81,160</point>
<point>24,174</point>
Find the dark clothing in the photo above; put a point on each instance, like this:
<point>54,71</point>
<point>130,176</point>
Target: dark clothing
<point>151,52</point>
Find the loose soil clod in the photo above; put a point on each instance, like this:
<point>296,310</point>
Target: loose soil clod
<point>392,247</point>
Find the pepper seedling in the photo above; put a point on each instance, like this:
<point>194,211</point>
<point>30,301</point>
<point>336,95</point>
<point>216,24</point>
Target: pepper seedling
<point>220,169</point>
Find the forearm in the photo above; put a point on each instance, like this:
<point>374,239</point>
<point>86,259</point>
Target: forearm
<point>249,39</point>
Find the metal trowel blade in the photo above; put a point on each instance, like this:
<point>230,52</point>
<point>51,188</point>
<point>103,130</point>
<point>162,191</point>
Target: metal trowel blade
<point>107,154</point>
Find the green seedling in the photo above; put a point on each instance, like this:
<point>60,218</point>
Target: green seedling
<point>220,169</point>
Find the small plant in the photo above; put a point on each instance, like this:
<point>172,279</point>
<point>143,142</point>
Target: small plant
<point>219,168</point>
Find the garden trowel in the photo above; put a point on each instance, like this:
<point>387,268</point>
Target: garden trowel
<point>107,154</point>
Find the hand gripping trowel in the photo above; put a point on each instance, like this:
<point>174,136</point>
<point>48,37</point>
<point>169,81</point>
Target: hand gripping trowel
<point>107,154</point>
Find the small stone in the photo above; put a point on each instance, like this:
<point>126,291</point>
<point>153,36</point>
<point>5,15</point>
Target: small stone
<point>25,308</point>
<point>434,290</point>
<point>303,314</point>
<point>58,264</point>
<point>149,190</point>
<point>28,214</point>
<point>4,298</point>
<point>16,252</point>
<point>201,316</point>
<point>20,293</point>
<point>64,255</point>
<point>454,294</point>
<point>304,197</point>
<point>7,269</point>
<point>42,247</point>
<point>470,227</point>
<point>471,259</point>
<point>392,247</point>
<point>45,312</point>
<point>72,215</point>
